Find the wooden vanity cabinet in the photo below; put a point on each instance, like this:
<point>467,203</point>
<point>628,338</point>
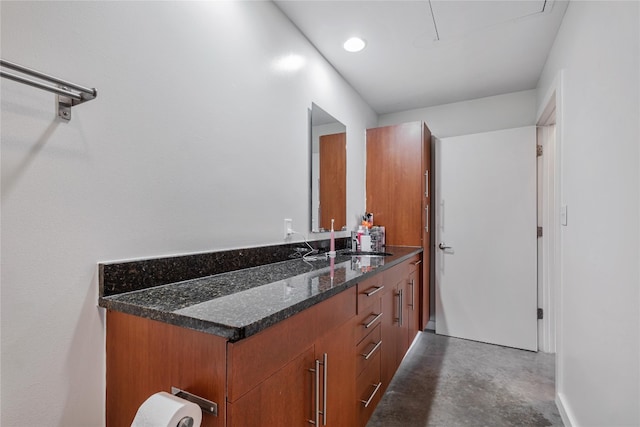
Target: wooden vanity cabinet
<point>353,342</point>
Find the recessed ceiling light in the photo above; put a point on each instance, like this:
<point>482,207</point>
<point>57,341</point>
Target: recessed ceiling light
<point>354,44</point>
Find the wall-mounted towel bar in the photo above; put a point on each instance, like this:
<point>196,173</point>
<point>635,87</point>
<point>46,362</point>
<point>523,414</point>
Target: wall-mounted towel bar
<point>69,94</point>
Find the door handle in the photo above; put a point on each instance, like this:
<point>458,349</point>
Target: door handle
<point>443,246</point>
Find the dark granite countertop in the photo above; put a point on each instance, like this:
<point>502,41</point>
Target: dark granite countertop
<point>240,303</point>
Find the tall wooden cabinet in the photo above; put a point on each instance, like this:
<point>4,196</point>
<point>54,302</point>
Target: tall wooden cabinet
<point>399,193</point>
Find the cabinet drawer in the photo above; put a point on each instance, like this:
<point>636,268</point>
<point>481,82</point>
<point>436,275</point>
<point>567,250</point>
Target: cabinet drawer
<point>368,319</point>
<point>369,291</point>
<point>367,349</point>
<point>368,390</point>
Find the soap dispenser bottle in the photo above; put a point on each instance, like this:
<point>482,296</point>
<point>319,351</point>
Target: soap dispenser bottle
<point>359,237</point>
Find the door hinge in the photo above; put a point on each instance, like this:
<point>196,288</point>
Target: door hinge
<point>540,314</point>
<point>539,231</point>
<point>539,150</point>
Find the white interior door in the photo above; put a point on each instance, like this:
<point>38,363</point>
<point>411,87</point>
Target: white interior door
<point>486,285</point>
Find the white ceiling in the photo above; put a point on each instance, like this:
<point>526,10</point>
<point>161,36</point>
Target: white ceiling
<point>422,53</point>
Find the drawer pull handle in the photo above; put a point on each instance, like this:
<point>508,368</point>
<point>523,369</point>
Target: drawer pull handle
<point>368,401</point>
<point>374,291</point>
<point>417,262</point>
<point>373,350</point>
<point>374,320</point>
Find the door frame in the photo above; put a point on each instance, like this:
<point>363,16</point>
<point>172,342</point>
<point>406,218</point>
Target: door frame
<point>552,105</point>
<point>549,281</point>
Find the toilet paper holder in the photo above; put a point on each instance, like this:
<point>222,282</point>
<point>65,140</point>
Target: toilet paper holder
<point>207,406</point>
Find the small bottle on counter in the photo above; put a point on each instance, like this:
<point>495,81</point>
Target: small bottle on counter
<point>359,237</point>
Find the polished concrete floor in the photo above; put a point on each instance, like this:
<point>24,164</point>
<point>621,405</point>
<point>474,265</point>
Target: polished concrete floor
<point>445,381</point>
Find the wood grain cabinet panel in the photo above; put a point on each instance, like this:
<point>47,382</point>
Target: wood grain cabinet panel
<point>145,357</point>
<point>394,181</point>
<point>339,372</point>
<point>399,186</point>
<point>284,399</point>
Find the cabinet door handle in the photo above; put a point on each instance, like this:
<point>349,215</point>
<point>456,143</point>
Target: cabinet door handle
<point>426,219</point>
<point>413,297</point>
<point>368,401</point>
<point>375,290</point>
<point>400,303</point>
<point>417,262</point>
<point>317,412</point>
<point>373,350</point>
<point>316,376</point>
<point>374,320</point>
<point>324,391</point>
<point>426,183</point>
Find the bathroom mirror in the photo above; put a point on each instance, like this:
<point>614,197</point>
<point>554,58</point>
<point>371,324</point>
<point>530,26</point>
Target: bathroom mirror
<point>328,171</point>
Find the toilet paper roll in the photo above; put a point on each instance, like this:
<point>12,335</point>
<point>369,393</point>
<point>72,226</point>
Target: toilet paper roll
<point>166,410</point>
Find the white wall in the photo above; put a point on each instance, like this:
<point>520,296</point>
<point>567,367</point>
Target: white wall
<point>498,112</point>
<point>196,142</point>
<point>597,49</point>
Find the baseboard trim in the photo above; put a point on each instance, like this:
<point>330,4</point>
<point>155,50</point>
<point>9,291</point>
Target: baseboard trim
<point>565,413</point>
